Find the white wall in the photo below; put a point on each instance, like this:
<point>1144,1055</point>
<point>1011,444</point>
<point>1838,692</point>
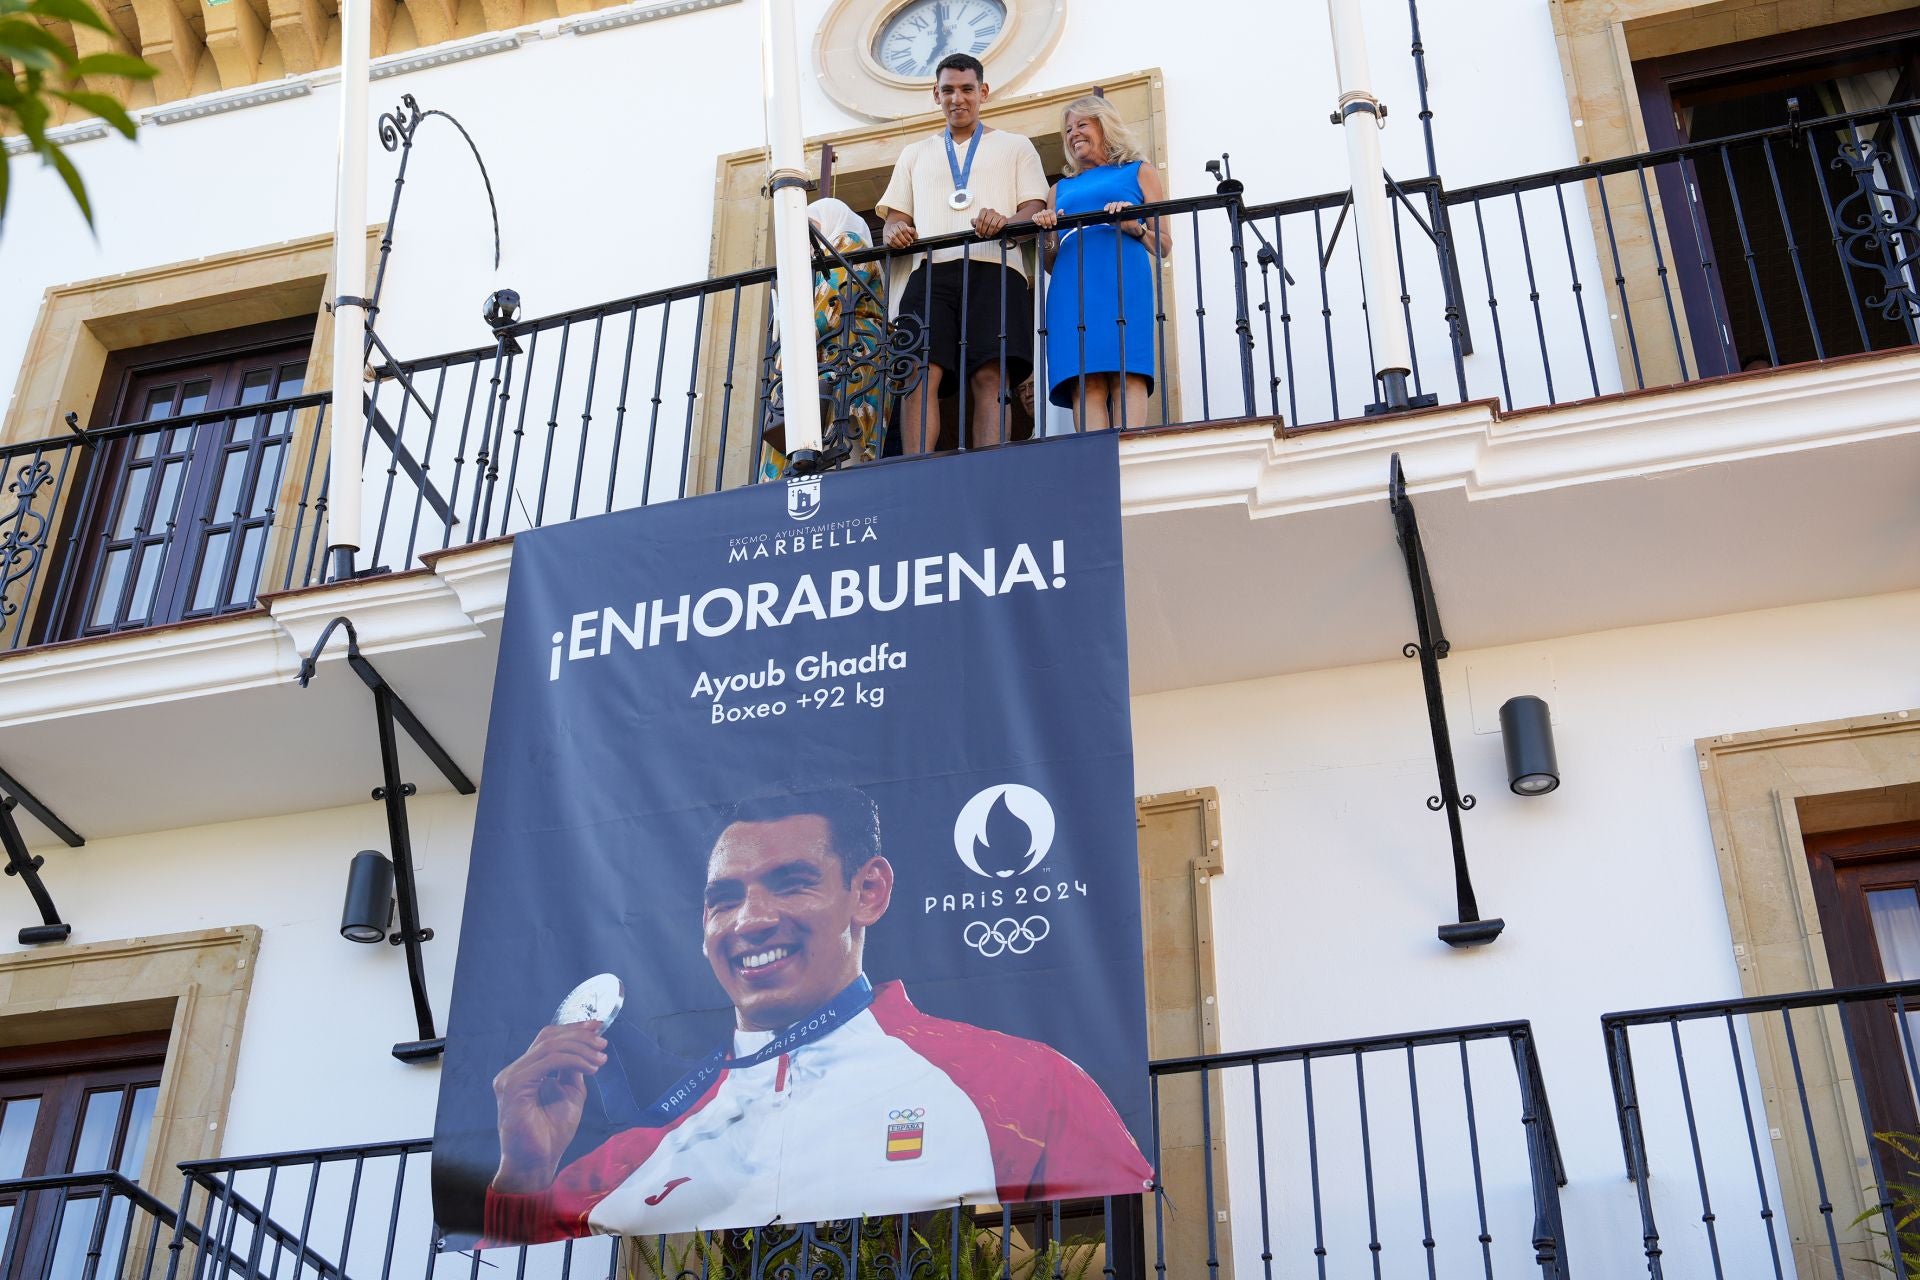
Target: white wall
<point>1337,874</point>
<point>314,1066</point>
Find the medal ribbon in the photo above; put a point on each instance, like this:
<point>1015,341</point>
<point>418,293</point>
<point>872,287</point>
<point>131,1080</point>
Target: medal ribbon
<point>961,174</point>
<point>686,1091</point>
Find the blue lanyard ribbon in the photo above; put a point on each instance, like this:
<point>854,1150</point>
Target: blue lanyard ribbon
<point>960,173</point>
<point>838,1011</point>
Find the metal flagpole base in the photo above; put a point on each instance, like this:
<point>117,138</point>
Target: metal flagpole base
<point>1394,397</point>
<point>341,567</point>
<point>804,462</point>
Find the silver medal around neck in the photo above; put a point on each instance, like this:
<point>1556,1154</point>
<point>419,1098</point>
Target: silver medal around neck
<point>960,199</point>
<point>598,999</point>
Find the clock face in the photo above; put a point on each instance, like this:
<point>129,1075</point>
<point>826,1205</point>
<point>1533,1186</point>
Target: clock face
<point>912,41</point>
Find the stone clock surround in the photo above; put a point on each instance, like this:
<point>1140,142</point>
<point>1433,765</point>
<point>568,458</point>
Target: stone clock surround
<point>843,55</point>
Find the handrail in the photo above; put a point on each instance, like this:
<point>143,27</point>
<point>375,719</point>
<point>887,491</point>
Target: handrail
<point>764,275</point>
<point>112,1181</point>
<point>1761,1004</point>
<point>1644,159</point>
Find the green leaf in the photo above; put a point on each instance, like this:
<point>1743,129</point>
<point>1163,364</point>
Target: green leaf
<point>101,105</point>
<point>4,159</point>
<point>113,64</point>
<point>71,176</point>
<point>32,114</point>
<point>78,11</point>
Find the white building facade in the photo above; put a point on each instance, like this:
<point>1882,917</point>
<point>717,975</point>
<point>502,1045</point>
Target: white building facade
<point>1658,264</point>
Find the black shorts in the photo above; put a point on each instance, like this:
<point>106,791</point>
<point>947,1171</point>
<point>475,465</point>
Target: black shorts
<point>992,301</point>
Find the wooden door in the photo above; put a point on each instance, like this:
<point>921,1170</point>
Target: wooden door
<point>1867,885</point>
<point>178,525</point>
<point>81,1107</point>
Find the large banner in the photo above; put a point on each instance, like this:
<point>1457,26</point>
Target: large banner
<point>804,880</point>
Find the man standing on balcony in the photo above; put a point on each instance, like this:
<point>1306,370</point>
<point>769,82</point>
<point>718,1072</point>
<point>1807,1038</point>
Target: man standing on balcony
<point>832,1098</point>
<point>979,314</point>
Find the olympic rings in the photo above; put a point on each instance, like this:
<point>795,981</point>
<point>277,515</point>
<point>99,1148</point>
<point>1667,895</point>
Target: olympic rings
<point>908,1113</point>
<point>1006,935</point>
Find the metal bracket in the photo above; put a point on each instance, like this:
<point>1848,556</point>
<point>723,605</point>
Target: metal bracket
<point>1431,647</point>
<point>389,708</point>
<point>27,866</point>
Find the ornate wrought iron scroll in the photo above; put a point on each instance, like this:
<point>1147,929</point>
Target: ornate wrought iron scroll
<point>24,541</point>
<point>853,362</point>
<point>1881,229</point>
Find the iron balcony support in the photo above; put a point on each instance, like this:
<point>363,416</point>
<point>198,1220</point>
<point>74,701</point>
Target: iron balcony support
<point>1432,646</point>
<point>388,709</point>
<point>27,866</point>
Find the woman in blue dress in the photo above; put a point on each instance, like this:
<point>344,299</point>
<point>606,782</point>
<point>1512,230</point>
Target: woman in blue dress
<point>1100,294</point>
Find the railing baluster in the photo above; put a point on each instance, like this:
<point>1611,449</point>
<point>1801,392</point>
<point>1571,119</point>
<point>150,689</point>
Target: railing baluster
<point>1533,295</point>
<point>1260,1163</point>
<point>586,418</point>
<point>1620,282</point>
<point>1707,1217</point>
<point>1326,312</point>
<point>1660,269</point>
<point>693,393</point>
<point>653,420</point>
<point>1746,251</point>
<point>1473,1156</point>
<point>1579,297</point>
<point>426,459</point>
<point>1793,249</point>
<point>1493,307</point>
<point>553,427</point>
<point>1753,1146</point>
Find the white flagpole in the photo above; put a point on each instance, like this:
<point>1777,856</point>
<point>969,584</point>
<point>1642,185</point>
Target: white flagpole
<point>793,249</point>
<point>347,415</point>
<point>1362,117</point>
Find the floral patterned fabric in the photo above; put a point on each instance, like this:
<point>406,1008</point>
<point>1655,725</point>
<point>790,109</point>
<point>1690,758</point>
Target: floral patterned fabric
<point>866,394</point>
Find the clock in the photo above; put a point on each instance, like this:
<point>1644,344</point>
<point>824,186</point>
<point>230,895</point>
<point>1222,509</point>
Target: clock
<point>913,40</point>
<point>876,57</point>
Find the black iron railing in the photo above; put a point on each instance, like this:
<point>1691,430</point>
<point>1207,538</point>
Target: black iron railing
<point>1408,1151</point>
<point>80,1226</point>
<point>1773,1136</point>
<point>140,524</point>
<point>1788,244</point>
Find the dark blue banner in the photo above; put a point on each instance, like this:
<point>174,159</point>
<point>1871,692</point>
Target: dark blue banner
<point>804,879</point>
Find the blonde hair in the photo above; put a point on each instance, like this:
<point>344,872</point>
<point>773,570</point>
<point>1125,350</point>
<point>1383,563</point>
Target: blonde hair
<point>1120,144</point>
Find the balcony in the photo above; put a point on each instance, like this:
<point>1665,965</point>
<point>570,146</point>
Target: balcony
<point>1757,1137</point>
<point>1547,290</point>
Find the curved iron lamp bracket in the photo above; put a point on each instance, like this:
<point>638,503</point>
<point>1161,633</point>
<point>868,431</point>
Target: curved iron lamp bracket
<point>1430,648</point>
<point>389,708</point>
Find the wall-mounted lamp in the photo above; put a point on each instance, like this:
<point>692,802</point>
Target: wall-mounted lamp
<point>368,913</point>
<point>502,309</point>
<point>1526,730</point>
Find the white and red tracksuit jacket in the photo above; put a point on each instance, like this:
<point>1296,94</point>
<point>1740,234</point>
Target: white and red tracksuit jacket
<point>894,1112</point>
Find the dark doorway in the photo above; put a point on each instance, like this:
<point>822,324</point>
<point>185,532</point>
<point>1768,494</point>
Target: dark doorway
<point>1761,225</point>
<point>179,515</point>
<point>81,1107</point>
<point>1866,883</point>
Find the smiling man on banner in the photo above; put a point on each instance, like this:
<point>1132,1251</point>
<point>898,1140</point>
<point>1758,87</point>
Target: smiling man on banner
<point>833,1098</point>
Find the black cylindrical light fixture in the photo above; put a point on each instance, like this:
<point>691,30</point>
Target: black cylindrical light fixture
<point>1526,730</point>
<point>368,913</point>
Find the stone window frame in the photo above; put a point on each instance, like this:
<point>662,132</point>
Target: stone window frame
<point>1599,41</point>
<point>1765,791</point>
<point>1176,907</point>
<point>194,986</point>
<point>742,242</point>
<point>82,326</point>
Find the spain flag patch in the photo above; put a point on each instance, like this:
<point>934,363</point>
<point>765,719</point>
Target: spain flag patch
<point>905,1140</point>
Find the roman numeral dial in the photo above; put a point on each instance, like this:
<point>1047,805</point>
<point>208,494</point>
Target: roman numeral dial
<point>916,36</point>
